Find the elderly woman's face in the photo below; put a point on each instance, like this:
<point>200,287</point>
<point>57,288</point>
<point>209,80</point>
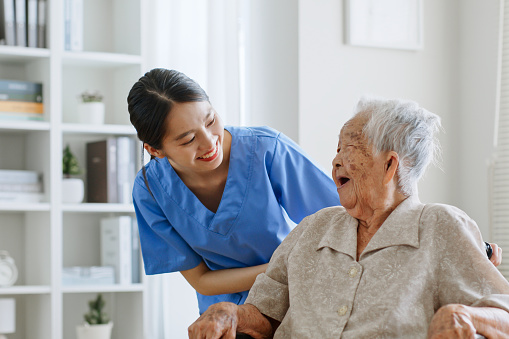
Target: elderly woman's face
<point>358,174</point>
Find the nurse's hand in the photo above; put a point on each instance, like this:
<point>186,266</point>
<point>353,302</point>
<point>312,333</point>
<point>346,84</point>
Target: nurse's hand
<point>219,321</point>
<point>496,257</point>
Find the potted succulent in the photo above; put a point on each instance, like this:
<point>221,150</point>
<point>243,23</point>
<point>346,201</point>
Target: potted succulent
<point>97,323</point>
<point>73,189</point>
<point>91,109</point>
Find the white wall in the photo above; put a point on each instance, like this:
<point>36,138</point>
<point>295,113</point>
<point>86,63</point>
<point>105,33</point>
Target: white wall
<point>477,104</point>
<point>454,76</point>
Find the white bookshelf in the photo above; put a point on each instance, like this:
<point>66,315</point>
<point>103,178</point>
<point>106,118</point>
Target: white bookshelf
<point>45,237</point>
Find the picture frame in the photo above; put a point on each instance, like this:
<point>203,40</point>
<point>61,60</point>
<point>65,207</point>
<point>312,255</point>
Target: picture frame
<point>395,24</point>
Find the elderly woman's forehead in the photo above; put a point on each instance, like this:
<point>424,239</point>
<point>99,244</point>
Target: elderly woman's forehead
<point>354,125</point>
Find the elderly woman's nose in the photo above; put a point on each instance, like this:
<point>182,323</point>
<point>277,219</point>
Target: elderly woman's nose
<point>336,161</point>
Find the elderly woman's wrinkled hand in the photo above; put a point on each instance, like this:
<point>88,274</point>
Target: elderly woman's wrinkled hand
<point>451,321</point>
<point>220,321</point>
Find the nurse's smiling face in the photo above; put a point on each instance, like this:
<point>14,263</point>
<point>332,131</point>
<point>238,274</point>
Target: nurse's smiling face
<point>194,137</point>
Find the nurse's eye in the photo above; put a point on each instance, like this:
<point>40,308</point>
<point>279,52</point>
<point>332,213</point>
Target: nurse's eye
<point>188,142</point>
<point>211,122</point>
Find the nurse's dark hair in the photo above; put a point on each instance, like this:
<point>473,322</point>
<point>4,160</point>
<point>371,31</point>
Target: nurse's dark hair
<point>151,100</point>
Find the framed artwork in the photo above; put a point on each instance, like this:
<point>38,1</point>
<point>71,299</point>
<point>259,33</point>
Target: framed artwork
<point>384,23</point>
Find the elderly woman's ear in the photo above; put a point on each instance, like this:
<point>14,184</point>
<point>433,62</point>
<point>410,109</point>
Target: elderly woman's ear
<point>391,166</point>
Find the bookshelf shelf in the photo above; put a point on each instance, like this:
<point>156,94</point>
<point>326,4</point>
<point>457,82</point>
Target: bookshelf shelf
<point>17,207</point>
<point>98,208</point>
<point>103,288</point>
<point>24,126</point>
<point>16,54</point>
<point>70,128</point>
<point>25,290</point>
<point>44,238</point>
<point>100,59</point>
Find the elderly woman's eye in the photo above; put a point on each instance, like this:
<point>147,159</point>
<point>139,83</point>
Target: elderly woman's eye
<point>339,149</point>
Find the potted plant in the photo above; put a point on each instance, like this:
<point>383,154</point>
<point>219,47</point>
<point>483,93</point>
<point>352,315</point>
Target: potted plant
<point>73,189</point>
<point>91,109</point>
<point>97,323</point>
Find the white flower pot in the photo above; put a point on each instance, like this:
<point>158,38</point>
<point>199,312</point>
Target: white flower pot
<point>91,113</point>
<point>73,190</point>
<point>87,331</point>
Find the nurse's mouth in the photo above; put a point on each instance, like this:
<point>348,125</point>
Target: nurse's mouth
<point>210,155</point>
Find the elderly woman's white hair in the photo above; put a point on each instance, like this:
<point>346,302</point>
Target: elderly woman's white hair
<point>406,128</point>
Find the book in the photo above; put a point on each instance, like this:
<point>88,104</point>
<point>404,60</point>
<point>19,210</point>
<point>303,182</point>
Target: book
<point>19,176</point>
<point>136,253</point>
<point>126,171</point>
<point>21,20</point>
<point>101,157</point>
<point>17,116</point>
<point>23,197</point>
<point>7,23</point>
<point>41,23</point>
<point>116,247</point>
<point>21,107</point>
<point>88,275</point>
<point>76,38</point>
<point>31,7</point>
<point>21,187</point>
<point>17,89</point>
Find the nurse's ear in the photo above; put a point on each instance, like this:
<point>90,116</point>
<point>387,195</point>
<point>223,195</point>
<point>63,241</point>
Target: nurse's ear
<point>152,151</point>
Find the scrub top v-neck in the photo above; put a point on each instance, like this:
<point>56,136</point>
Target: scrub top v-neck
<point>268,175</point>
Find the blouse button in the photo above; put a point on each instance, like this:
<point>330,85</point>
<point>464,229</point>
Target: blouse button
<point>342,310</point>
<point>352,272</point>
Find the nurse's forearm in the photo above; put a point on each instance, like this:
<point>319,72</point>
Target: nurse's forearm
<point>232,280</point>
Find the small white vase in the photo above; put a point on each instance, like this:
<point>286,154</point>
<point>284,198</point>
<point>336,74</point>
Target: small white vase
<point>91,113</point>
<point>73,190</point>
<point>87,331</point>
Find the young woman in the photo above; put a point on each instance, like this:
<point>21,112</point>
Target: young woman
<point>212,201</point>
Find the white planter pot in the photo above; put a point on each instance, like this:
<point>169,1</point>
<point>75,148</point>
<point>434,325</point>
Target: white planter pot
<point>87,331</point>
<point>73,190</point>
<point>91,113</point>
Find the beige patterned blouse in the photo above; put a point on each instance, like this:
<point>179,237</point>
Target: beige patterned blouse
<point>421,258</point>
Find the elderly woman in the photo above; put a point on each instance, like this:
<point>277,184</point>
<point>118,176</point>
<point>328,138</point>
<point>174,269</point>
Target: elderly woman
<point>382,264</point>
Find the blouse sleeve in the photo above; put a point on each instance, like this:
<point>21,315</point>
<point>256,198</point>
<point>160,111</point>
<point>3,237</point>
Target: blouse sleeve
<point>163,249</point>
<point>464,273</point>
<point>300,185</point>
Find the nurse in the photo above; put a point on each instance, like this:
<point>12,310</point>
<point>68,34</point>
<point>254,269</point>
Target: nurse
<point>211,202</point>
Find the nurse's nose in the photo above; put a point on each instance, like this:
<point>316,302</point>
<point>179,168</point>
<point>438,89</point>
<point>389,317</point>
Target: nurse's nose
<point>209,141</point>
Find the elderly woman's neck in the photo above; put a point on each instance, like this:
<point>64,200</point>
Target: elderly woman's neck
<point>372,219</point>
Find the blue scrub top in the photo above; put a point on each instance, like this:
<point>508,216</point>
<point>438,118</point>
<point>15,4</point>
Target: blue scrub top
<point>267,173</point>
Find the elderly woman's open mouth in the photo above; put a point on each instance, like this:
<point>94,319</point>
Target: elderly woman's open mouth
<point>342,180</point>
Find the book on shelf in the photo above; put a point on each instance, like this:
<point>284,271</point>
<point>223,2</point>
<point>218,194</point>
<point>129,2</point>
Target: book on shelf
<point>116,247</point>
<point>16,116</point>
<point>136,252</point>
<point>126,162</point>
<point>21,107</point>
<point>19,176</point>
<point>20,186</point>
<point>17,90</point>
<point>21,22</point>
<point>88,275</point>
<point>31,7</point>
<point>101,157</point>
<point>41,23</point>
<point>7,23</point>
<point>73,25</point>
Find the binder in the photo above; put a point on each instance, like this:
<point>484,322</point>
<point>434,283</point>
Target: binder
<point>116,247</point>
<point>21,30</point>
<point>7,23</point>
<point>102,171</point>
<point>31,6</point>
<point>41,23</point>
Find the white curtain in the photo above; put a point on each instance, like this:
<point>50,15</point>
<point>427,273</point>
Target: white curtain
<point>202,39</point>
<point>500,168</point>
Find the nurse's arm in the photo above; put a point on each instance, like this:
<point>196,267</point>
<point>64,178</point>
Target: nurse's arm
<point>232,280</point>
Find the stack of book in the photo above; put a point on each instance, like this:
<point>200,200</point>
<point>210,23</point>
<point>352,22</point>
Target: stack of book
<point>88,275</point>
<point>111,168</point>
<point>120,248</point>
<point>23,23</point>
<point>20,186</point>
<point>21,100</point>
